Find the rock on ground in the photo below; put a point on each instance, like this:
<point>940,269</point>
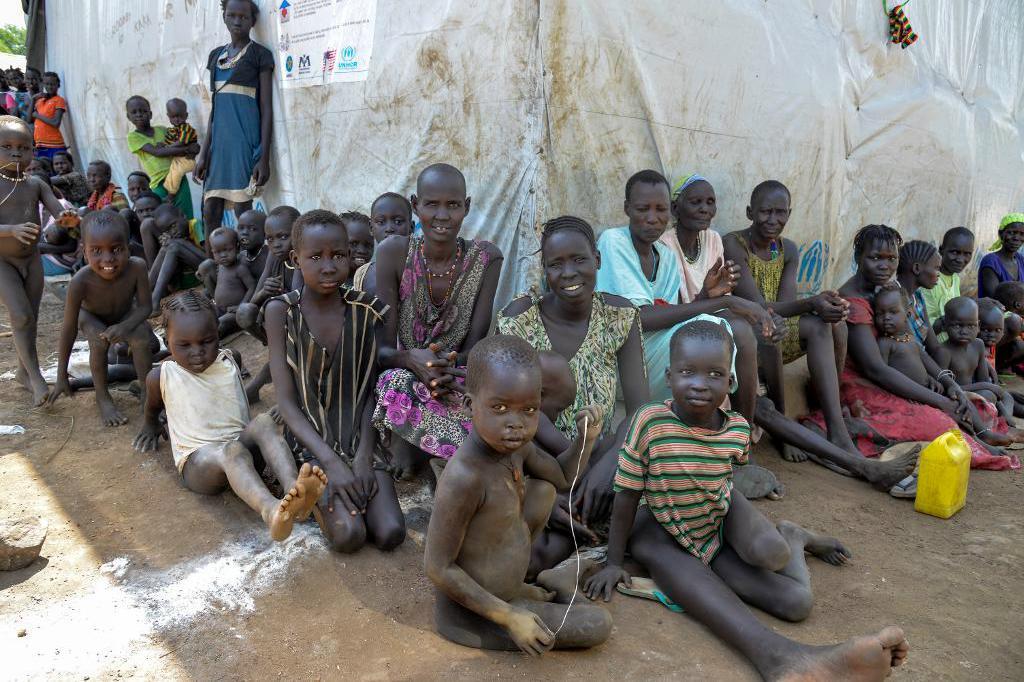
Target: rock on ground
<point>20,542</point>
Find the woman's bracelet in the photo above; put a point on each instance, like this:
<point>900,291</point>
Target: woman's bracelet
<point>946,374</point>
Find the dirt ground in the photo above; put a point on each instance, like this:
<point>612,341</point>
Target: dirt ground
<point>141,579</point>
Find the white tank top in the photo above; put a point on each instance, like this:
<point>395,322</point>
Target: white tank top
<point>203,409</point>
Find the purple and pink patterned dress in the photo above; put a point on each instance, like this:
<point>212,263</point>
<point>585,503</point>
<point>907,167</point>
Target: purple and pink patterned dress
<point>404,405</point>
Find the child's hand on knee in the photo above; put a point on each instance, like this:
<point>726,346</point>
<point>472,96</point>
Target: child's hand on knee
<point>343,485</point>
<point>536,593</point>
<point>115,333</point>
<point>602,584</point>
<point>529,632</point>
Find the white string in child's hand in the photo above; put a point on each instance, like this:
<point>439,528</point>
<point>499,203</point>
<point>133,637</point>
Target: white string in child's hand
<point>572,530</point>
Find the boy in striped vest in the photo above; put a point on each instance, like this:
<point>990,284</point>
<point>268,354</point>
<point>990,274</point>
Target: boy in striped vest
<point>709,550</point>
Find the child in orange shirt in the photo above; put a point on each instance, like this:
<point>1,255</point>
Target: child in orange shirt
<point>48,109</point>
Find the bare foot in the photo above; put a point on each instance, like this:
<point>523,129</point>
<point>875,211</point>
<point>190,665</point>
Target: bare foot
<point>826,548</point>
<point>109,414</point>
<point>36,385</point>
<point>791,453</point>
<point>867,658</point>
<point>297,502</point>
<point>561,580</point>
<point>304,494</point>
<point>884,475</point>
<point>275,414</point>
<point>535,593</point>
<point>39,390</point>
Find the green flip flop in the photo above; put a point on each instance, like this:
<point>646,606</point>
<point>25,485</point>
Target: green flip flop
<point>645,588</point>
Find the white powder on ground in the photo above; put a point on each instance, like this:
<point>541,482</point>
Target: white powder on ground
<point>118,621</point>
<point>228,579</point>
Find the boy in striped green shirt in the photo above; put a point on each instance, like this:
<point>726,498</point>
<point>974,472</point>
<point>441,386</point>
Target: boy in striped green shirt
<point>710,551</point>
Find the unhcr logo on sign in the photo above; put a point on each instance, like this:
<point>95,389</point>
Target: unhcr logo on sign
<point>813,266</point>
<point>348,59</point>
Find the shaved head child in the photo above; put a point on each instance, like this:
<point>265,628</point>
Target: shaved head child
<point>108,302</point>
<point>709,550</point>
<point>492,501</point>
<point>234,283</point>
<point>21,270</point>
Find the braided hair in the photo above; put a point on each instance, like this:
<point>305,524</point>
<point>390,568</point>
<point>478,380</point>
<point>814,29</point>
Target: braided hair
<point>568,222</point>
<point>187,301</point>
<point>915,251</point>
<point>875,234</point>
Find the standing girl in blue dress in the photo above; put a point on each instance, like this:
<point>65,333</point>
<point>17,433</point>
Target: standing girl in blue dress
<point>235,159</point>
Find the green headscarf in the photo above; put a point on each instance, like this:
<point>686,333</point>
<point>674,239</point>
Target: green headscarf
<point>1008,219</point>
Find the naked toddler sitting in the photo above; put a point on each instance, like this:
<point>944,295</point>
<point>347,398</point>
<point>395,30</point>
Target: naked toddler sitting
<point>108,302</point>
<point>494,498</point>
<point>234,283</point>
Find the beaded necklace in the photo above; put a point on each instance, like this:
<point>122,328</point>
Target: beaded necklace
<point>16,179</point>
<point>252,258</point>
<point>696,257</point>
<point>449,273</point>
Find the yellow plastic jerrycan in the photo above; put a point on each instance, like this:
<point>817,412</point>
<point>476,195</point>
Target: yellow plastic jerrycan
<point>944,467</point>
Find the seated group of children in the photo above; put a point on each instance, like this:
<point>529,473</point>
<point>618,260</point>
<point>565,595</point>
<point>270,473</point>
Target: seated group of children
<point>969,342</point>
<point>325,325</point>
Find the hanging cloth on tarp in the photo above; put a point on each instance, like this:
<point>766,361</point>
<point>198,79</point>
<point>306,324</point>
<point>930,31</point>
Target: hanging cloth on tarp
<point>900,32</point>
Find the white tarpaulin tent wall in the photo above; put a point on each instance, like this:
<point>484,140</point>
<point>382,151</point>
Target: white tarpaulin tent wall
<point>549,106</point>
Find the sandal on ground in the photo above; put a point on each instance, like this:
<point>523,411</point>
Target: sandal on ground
<point>905,489</point>
<point>644,588</point>
<point>755,482</point>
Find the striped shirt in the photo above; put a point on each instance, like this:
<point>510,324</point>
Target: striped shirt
<point>684,472</point>
<point>332,387</point>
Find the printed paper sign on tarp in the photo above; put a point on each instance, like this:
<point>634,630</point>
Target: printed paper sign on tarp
<point>324,41</point>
